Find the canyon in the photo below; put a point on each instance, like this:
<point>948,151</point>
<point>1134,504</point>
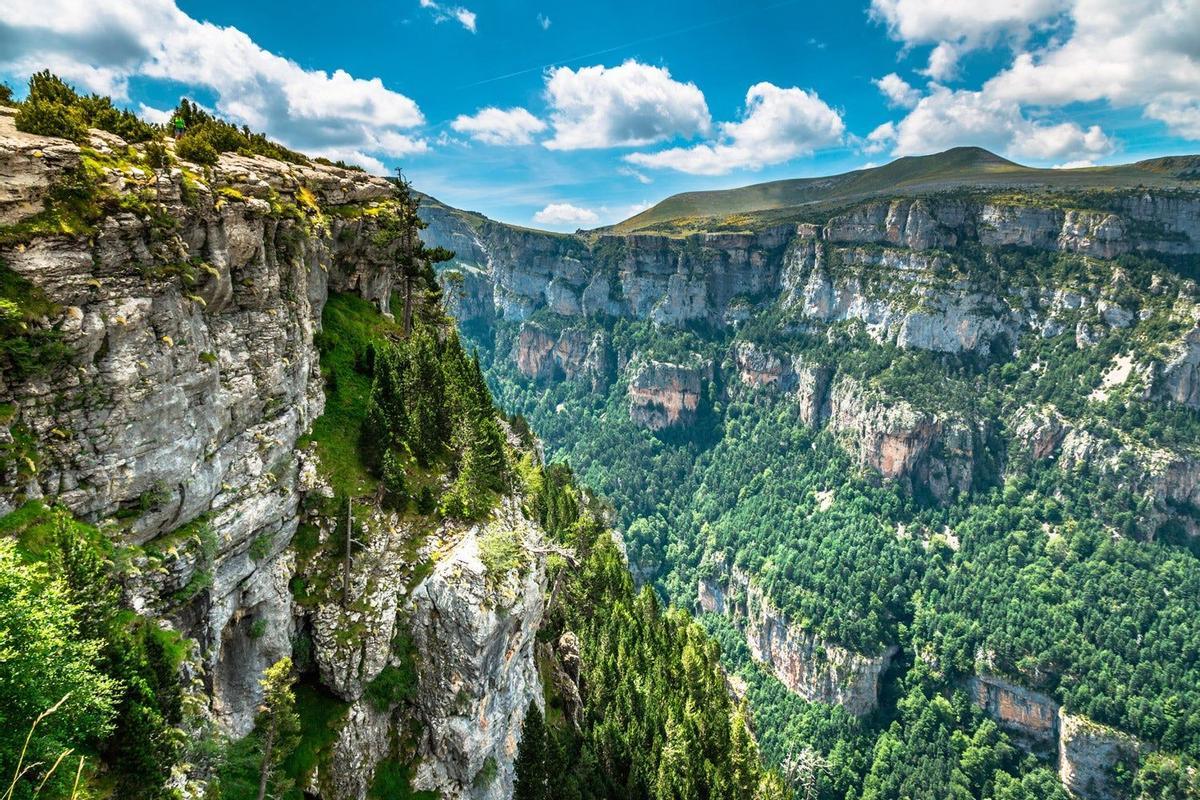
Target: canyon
<point>963,276</point>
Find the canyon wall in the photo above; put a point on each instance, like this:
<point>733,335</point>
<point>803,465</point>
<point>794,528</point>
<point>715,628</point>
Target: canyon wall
<point>818,671</point>
<point>187,313</point>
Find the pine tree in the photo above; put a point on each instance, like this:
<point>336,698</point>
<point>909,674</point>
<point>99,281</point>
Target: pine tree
<point>414,259</point>
<point>676,778</point>
<point>531,779</point>
<point>743,757</point>
<point>277,723</point>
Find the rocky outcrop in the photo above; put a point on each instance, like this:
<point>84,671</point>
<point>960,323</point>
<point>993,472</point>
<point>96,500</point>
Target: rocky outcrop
<point>818,671</point>
<point>897,297</point>
<point>901,442</point>
<point>1180,380</point>
<point>1031,715</point>
<point>191,373</point>
<point>796,375</point>
<point>1168,479</point>
<point>572,353</point>
<point>822,269</point>
<point>903,223</point>
<point>1088,754</point>
<point>706,277</point>
<point>29,166</point>
<point>665,395</point>
<point>467,294</point>
<point>1038,432</point>
<point>475,632</point>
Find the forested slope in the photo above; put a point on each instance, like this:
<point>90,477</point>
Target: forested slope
<point>936,448</point>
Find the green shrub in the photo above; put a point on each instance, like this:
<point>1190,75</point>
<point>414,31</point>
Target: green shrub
<point>204,132</point>
<point>157,155</point>
<point>392,685</point>
<point>197,148</point>
<point>27,346</point>
<point>54,108</point>
<point>6,97</point>
<point>261,546</point>
<point>50,119</point>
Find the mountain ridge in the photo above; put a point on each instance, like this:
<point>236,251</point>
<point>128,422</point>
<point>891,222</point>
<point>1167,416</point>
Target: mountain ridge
<point>956,168</point>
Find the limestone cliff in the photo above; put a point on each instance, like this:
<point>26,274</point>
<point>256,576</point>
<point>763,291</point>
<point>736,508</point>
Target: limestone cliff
<point>186,302</point>
<point>666,395</point>
<point>818,671</point>
<point>1087,753</point>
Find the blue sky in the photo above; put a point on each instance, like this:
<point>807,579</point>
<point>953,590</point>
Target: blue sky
<point>574,114</point>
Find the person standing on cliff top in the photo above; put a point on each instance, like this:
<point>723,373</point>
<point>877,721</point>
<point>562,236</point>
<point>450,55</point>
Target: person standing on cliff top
<point>178,125</point>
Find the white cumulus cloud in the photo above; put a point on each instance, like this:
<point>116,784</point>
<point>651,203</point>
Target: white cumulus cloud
<point>947,118</point>
<point>513,126</point>
<point>943,62</point>
<point>777,125</point>
<point>975,22</point>
<point>630,105</point>
<point>560,214</point>
<point>101,46</point>
<point>897,90</point>
<point>1139,54</point>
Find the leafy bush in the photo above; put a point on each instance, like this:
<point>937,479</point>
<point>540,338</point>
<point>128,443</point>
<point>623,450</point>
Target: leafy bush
<point>6,95</point>
<point>392,685</point>
<point>27,346</point>
<point>157,155</point>
<point>50,119</point>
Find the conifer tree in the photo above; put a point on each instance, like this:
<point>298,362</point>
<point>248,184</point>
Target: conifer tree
<point>277,723</point>
<point>531,779</point>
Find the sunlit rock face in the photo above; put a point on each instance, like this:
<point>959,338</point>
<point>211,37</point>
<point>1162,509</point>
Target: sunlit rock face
<point>818,671</point>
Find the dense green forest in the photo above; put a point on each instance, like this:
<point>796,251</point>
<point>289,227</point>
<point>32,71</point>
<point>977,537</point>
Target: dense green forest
<point>1064,579</point>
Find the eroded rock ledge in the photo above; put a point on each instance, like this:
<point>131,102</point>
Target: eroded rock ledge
<point>818,671</point>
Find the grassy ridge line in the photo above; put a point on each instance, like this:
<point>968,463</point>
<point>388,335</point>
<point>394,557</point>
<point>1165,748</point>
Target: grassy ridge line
<point>958,167</point>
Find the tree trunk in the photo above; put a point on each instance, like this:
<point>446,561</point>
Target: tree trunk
<point>268,746</point>
<point>407,305</point>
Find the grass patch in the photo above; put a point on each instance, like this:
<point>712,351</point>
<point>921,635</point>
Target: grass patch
<point>321,717</point>
<point>348,324</point>
<point>34,525</point>
<point>392,782</point>
<point>501,552</point>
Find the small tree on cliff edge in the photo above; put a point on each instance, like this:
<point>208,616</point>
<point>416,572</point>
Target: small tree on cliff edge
<point>277,723</point>
<point>414,258</point>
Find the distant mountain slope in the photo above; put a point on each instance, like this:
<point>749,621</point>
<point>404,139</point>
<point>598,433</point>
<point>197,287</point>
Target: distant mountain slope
<point>956,168</point>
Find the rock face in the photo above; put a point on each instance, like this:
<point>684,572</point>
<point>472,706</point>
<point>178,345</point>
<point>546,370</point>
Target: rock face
<point>1032,715</point>
<point>1087,754</point>
<point>664,395</point>
<point>716,278</point>
<point>818,671</point>
<point>191,376</point>
<point>1181,374</point>
<point>476,635</point>
<point>903,443</point>
<point>672,281</point>
<point>571,354</point>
